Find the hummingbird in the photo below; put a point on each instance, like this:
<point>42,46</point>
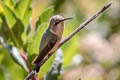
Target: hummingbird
<point>51,37</point>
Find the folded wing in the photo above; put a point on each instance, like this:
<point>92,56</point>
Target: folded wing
<point>47,43</point>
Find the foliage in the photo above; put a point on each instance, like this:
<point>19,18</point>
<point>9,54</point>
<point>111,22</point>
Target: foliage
<point>15,17</point>
<point>19,37</point>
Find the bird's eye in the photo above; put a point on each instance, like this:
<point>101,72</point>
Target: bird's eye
<point>56,23</point>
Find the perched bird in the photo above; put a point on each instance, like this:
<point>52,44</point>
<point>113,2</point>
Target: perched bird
<point>51,37</point>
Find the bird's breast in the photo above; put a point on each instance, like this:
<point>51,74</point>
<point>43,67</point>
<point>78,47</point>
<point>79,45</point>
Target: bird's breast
<point>59,30</point>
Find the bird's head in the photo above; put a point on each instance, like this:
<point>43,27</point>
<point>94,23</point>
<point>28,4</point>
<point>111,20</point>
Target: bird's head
<point>57,21</point>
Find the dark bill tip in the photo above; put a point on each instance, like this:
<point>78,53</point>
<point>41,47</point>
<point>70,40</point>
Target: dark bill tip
<point>65,19</point>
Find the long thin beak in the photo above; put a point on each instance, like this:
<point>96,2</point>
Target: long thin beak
<point>65,19</point>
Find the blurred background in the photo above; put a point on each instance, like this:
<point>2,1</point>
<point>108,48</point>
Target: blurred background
<point>92,54</point>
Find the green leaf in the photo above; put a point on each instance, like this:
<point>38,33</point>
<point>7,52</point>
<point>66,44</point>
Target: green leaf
<point>7,33</point>
<point>33,45</point>
<point>45,16</point>
<point>15,54</point>
<point>10,69</point>
<point>2,51</point>
<point>13,33</point>
<point>9,15</point>
<point>23,10</point>
<point>18,31</point>
<point>4,29</point>
<point>9,3</point>
<point>2,76</point>
<point>14,27</point>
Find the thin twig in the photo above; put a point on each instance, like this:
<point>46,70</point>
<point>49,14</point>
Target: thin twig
<point>85,23</point>
<point>26,61</point>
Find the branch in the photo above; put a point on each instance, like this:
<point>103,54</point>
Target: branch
<point>26,61</point>
<point>85,23</point>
